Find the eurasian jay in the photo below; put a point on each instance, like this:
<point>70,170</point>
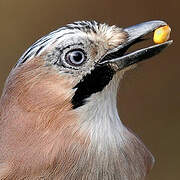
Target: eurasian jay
<point>58,114</point>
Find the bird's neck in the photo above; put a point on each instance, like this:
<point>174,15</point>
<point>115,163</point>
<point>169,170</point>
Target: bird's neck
<point>99,115</point>
<point>111,142</point>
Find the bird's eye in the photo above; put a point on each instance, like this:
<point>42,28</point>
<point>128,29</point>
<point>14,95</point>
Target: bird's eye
<point>75,57</point>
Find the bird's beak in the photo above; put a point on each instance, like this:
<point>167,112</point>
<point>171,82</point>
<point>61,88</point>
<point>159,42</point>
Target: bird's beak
<point>135,33</point>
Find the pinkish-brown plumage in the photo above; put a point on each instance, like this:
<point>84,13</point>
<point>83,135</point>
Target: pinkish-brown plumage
<point>36,122</point>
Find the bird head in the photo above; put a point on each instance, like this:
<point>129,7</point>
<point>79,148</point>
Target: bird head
<point>61,98</point>
<point>89,54</point>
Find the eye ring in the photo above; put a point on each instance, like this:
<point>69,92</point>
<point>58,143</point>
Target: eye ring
<point>75,57</point>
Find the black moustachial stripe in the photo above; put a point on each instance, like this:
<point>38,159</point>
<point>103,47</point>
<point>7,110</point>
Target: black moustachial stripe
<point>92,83</point>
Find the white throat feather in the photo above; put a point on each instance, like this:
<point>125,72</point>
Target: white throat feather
<point>119,154</point>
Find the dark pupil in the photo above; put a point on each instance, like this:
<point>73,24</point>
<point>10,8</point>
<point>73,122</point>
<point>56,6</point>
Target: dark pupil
<point>76,56</point>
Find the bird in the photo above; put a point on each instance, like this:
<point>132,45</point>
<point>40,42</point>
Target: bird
<point>58,109</point>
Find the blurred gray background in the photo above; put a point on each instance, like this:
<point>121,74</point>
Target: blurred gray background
<point>149,98</point>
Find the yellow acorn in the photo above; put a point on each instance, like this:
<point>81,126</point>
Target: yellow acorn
<point>161,34</point>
